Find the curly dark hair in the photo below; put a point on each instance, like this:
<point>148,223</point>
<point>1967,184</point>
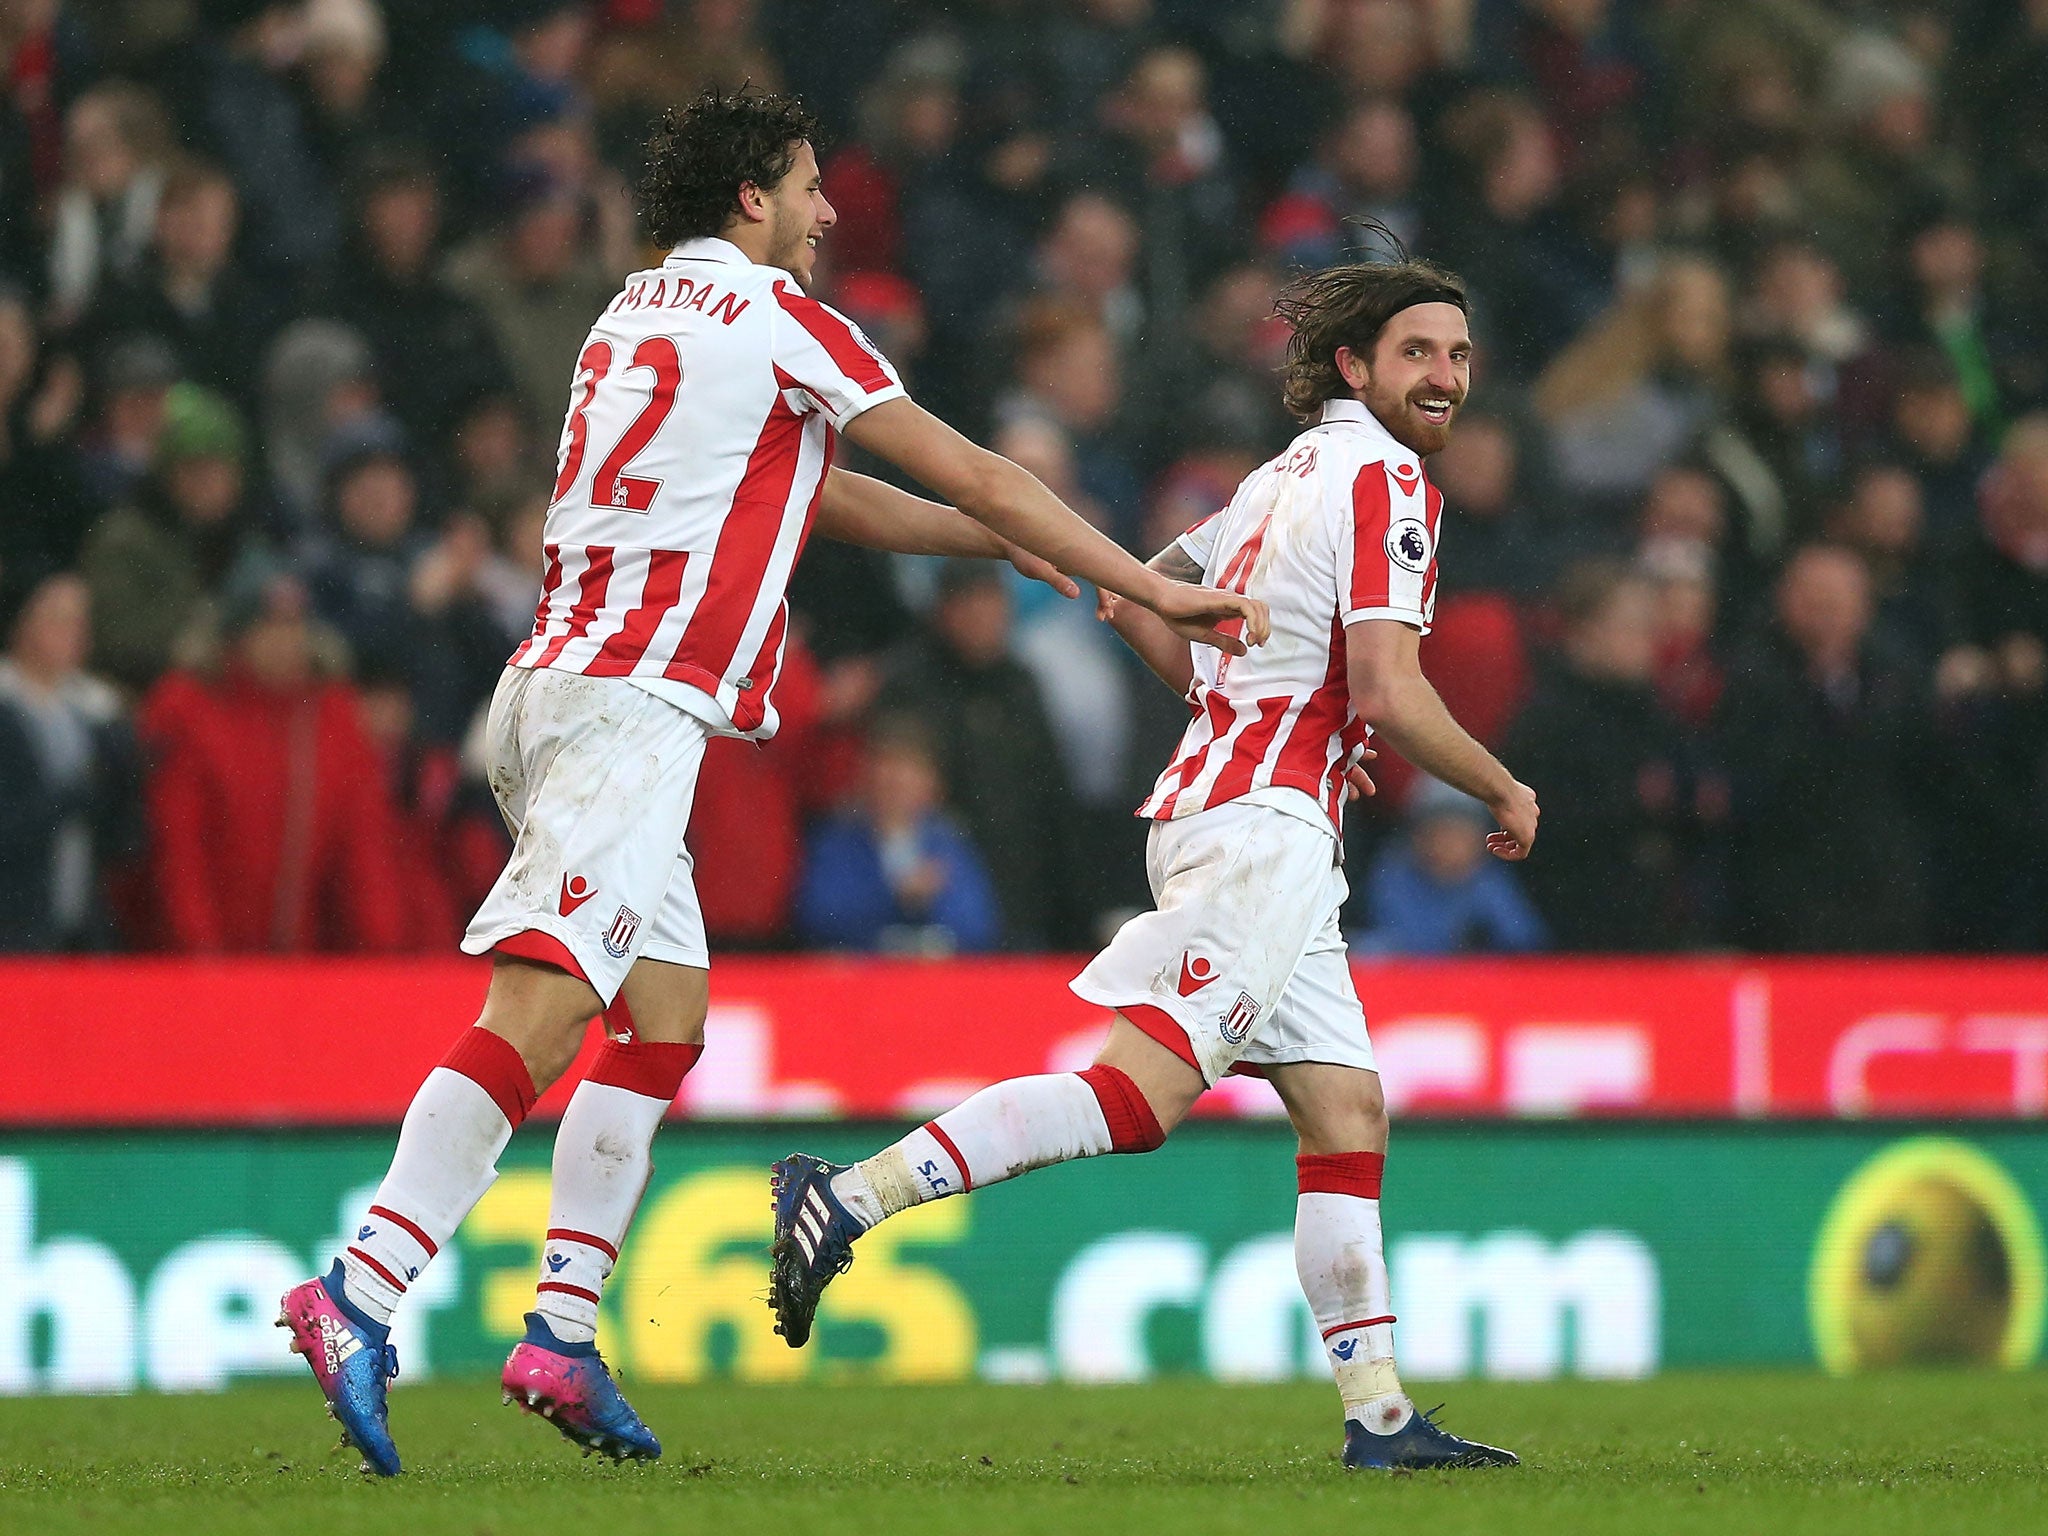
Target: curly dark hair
<point>1349,306</point>
<point>701,155</point>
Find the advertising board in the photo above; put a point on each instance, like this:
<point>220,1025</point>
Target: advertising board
<point>154,1260</point>
<point>139,1042</point>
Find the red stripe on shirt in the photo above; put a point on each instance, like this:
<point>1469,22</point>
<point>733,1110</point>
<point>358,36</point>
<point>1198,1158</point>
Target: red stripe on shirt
<point>746,543</point>
<point>1249,751</point>
<point>1305,761</point>
<point>1220,714</point>
<point>551,583</point>
<point>1372,514</point>
<point>658,595</point>
<point>837,338</point>
<point>590,591</point>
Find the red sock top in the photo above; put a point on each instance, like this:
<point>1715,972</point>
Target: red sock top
<point>1132,1125</point>
<point>494,1065</point>
<point>655,1068</point>
<point>1341,1173</point>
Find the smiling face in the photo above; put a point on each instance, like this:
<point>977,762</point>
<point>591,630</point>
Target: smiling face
<point>1417,376</point>
<point>796,215</point>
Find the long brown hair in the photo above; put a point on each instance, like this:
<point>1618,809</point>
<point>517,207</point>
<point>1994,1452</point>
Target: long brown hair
<point>1349,306</point>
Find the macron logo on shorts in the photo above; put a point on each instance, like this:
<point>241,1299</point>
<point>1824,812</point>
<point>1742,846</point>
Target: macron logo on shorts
<point>575,891</point>
<point>1195,974</point>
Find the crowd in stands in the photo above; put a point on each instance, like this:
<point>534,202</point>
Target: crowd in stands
<point>1745,564</point>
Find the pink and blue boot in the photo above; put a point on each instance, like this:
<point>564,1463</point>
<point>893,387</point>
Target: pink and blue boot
<point>352,1359</point>
<point>570,1387</point>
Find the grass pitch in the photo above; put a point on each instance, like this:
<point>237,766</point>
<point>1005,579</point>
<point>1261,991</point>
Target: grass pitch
<point>1912,1455</point>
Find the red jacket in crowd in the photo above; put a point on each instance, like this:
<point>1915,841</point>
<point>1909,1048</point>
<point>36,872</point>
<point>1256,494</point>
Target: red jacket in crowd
<point>271,824</point>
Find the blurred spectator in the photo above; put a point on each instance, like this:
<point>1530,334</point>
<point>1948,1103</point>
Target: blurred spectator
<point>271,824</point>
<point>1781,451</point>
<point>1079,663</point>
<point>1088,258</point>
<point>1616,828</point>
<point>639,70</point>
<point>344,100</point>
<point>154,563</point>
<point>189,294</point>
<point>1578,57</point>
<point>47,506</point>
<point>1879,156</point>
<point>448,843</point>
<point>495,463</point>
<point>538,284</point>
<point>2001,592</point>
<point>70,790</point>
<point>1827,745</point>
<point>434,350</point>
<point>1000,763</point>
<point>134,383</point>
<point>1365,170</point>
<point>238,99</point>
<point>115,137</point>
<point>467,605</point>
<point>1533,278</point>
<point>1068,374</point>
<point>1997,365</point>
<point>1689,676</point>
<point>746,821</point>
<point>360,579</point>
<point>1884,520</point>
<point>1169,158</point>
<point>894,873</point>
<point>1209,387</point>
<point>1435,891</point>
<point>1498,546</point>
<point>1931,433</point>
<point>1638,386</point>
<point>318,380</point>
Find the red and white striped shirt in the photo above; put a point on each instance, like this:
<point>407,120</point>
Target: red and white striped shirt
<point>1339,528</point>
<point>700,429</point>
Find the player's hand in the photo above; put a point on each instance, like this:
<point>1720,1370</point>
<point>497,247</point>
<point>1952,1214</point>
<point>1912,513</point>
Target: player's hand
<point>1357,782</point>
<point>1516,811</point>
<point>1200,614</point>
<point>1031,565</point>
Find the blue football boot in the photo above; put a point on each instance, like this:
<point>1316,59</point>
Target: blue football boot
<point>352,1359</point>
<point>1418,1444</point>
<point>570,1386</point>
<point>814,1236</point>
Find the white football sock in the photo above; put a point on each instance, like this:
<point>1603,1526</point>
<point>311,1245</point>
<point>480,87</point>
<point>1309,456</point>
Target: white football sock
<point>447,1156</point>
<point>603,1159</point>
<point>1338,1255</point>
<point>1005,1130</point>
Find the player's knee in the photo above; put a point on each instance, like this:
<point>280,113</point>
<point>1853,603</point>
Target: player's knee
<point>1369,1103</point>
<point>1134,1125</point>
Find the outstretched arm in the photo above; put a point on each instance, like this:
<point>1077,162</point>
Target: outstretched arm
<point>1384,667</point>
<point>859,509</point>
<point>1011,502</point>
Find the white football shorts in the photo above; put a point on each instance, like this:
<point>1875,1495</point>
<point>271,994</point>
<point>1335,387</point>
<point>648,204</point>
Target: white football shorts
<point>1243,955</point>
<point>595,778</point>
